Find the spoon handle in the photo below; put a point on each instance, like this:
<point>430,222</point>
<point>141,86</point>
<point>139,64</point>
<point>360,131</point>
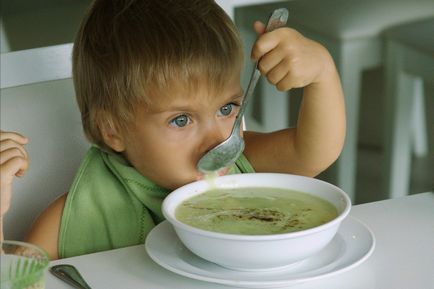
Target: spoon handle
<point>70,275</point>
<point>277,19</point>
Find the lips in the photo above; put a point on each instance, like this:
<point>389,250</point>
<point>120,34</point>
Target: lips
<point>220,173</point>
<point>223,171</point>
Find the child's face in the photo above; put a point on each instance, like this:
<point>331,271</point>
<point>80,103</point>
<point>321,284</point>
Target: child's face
<point>170,137</point>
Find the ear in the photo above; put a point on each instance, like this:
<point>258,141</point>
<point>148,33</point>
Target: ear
<point>112,137</point>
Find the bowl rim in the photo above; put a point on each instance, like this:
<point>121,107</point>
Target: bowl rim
<point>178,224</point>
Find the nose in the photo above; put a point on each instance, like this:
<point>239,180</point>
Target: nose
<point>214,134</point>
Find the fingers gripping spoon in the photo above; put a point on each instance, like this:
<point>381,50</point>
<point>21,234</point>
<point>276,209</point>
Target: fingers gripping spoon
<point>227,152</point>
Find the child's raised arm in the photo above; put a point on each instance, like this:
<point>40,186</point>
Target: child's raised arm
<point>14,161</point>
<point>289,60</point>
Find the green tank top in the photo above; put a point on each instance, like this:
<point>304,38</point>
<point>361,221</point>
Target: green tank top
<point>111,205</point>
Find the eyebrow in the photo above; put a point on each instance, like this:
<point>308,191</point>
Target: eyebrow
<point>239,94</point>
<point>183,107</point>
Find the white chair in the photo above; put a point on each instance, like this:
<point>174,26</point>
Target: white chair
<point>38,100</point>
<point>409,63</point>
<point>351,30</point>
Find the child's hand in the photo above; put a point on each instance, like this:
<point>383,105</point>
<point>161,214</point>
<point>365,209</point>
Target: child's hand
<point>14,162</point>
<point>288,59</point>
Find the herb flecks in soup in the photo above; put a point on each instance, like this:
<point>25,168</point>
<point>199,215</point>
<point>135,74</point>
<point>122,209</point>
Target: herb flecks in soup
<point>255,211</point>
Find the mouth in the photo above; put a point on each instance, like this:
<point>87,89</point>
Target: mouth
<point>219,173</point>
<point>223,171</point>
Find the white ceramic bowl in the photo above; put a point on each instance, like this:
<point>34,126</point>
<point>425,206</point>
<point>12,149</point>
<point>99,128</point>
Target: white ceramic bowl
<point>258,252</point>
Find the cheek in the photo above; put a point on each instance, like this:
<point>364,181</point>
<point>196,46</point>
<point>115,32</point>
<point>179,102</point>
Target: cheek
<point>175,151</point>
<point>229,124</point>
<point>170,149</point>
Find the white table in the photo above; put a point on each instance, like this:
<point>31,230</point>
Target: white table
<point>403,257</point>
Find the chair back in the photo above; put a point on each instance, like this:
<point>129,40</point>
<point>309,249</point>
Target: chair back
<point>38,100</point>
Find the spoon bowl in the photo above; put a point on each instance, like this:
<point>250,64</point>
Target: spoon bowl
<point>223,154</point>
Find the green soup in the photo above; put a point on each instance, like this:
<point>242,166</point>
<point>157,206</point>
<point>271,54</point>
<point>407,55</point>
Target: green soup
<point>255,211</point>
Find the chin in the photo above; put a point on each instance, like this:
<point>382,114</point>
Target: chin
<point>186,181</point>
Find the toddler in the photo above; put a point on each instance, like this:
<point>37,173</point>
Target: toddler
<point>158,85</point>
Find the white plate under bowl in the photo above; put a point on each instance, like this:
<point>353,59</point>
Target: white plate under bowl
<point>353,244</point>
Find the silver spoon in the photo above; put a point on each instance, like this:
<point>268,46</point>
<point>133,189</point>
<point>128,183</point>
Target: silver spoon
<point>227,152</point>
<point>70,275</point>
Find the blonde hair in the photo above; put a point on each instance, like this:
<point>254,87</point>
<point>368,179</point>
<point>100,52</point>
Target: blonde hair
<point>127,50</point>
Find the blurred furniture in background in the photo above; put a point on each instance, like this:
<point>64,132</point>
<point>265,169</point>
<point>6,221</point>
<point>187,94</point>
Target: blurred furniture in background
<point>40,23</point>
<point>38,100</point>
<point>352,31</point>
<point>409,62</point>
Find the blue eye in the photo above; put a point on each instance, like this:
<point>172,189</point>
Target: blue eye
<point>226,109</point>
<point>180,121</point>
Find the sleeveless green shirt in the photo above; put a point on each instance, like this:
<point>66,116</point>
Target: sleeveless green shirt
<point>111,205</point>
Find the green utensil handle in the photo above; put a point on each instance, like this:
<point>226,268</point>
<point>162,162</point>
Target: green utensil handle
<point>70,275</point>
